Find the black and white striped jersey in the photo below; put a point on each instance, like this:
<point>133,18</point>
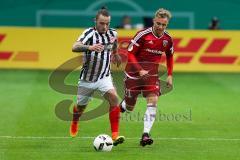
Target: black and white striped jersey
<point>97,65</point>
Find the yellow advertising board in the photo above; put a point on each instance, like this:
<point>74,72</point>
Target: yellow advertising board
<point>48,48</point>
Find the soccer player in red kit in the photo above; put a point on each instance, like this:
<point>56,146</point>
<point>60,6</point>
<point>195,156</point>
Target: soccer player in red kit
<point>144,55</point>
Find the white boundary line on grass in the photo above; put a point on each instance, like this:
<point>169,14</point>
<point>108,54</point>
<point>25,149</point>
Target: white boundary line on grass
<point>157,138</point>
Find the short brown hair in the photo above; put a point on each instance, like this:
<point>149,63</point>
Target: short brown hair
<point>103,11</point>
<point>163,13</point>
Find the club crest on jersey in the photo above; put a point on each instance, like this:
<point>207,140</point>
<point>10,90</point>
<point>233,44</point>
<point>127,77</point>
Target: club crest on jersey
<point>112,39</point>
<point>165,43</point>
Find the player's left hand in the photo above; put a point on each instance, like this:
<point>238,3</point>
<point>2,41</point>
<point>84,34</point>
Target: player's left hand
<point>117,59</point>
<point>169,81</point>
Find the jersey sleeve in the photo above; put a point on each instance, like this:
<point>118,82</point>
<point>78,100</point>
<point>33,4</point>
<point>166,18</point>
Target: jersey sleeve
<point>170,49</point>
<point>114,35</point>
<point>86,35</point>
<point>135,43</point>
<point>114,39</point>
<point>133,48</point>
<point>169,57</point>
<point>114,32</point>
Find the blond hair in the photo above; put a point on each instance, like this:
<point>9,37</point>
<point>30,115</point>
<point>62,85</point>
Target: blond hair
<point>163,13</point>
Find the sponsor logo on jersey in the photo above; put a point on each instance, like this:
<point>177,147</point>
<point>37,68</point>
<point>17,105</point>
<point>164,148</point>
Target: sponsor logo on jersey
<point>154,51</point>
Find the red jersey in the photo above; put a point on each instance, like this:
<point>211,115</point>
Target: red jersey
<point>145,51</point>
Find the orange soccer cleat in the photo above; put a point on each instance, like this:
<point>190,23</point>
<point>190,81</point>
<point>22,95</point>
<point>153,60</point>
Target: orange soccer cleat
<point>74,129</point>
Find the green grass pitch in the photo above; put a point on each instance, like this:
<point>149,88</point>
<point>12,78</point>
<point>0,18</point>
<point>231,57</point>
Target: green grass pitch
<point>199,119</point>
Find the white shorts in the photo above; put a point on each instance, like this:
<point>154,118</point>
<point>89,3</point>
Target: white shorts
<point>86,89</point>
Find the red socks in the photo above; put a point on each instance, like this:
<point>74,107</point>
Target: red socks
<point>114,116</point>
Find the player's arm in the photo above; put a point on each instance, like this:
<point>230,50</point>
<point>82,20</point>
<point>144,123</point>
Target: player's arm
<point>116,56</point>
<point>169,61</point>
<point>81,45</point>
<point>133,49</point>
<point>132,59</point>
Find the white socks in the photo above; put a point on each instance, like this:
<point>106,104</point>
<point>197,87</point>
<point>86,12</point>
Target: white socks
<point>149,117</point>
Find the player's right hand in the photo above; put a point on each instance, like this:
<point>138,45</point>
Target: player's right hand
<point>96,47</point>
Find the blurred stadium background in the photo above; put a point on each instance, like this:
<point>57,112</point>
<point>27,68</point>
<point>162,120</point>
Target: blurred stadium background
<point>199,119</point>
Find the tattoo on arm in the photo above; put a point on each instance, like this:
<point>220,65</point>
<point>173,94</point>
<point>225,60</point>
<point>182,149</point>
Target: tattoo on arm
<point>114,47</point>
<point>79,47</point>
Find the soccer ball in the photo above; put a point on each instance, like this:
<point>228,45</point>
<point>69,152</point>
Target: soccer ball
<point>103,142</point>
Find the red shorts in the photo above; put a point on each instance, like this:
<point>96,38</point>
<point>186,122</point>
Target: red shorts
<point>134,87</point>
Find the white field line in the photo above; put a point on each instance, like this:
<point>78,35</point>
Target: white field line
<point>134,138</point>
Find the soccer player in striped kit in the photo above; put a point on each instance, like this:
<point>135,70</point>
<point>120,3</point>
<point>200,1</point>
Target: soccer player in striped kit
<point>98,43</point>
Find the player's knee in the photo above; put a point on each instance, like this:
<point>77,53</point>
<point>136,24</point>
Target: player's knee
<point>82,100</point>
<point>81,107</point>
<point>112,99</point>
<point>152,100</point>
